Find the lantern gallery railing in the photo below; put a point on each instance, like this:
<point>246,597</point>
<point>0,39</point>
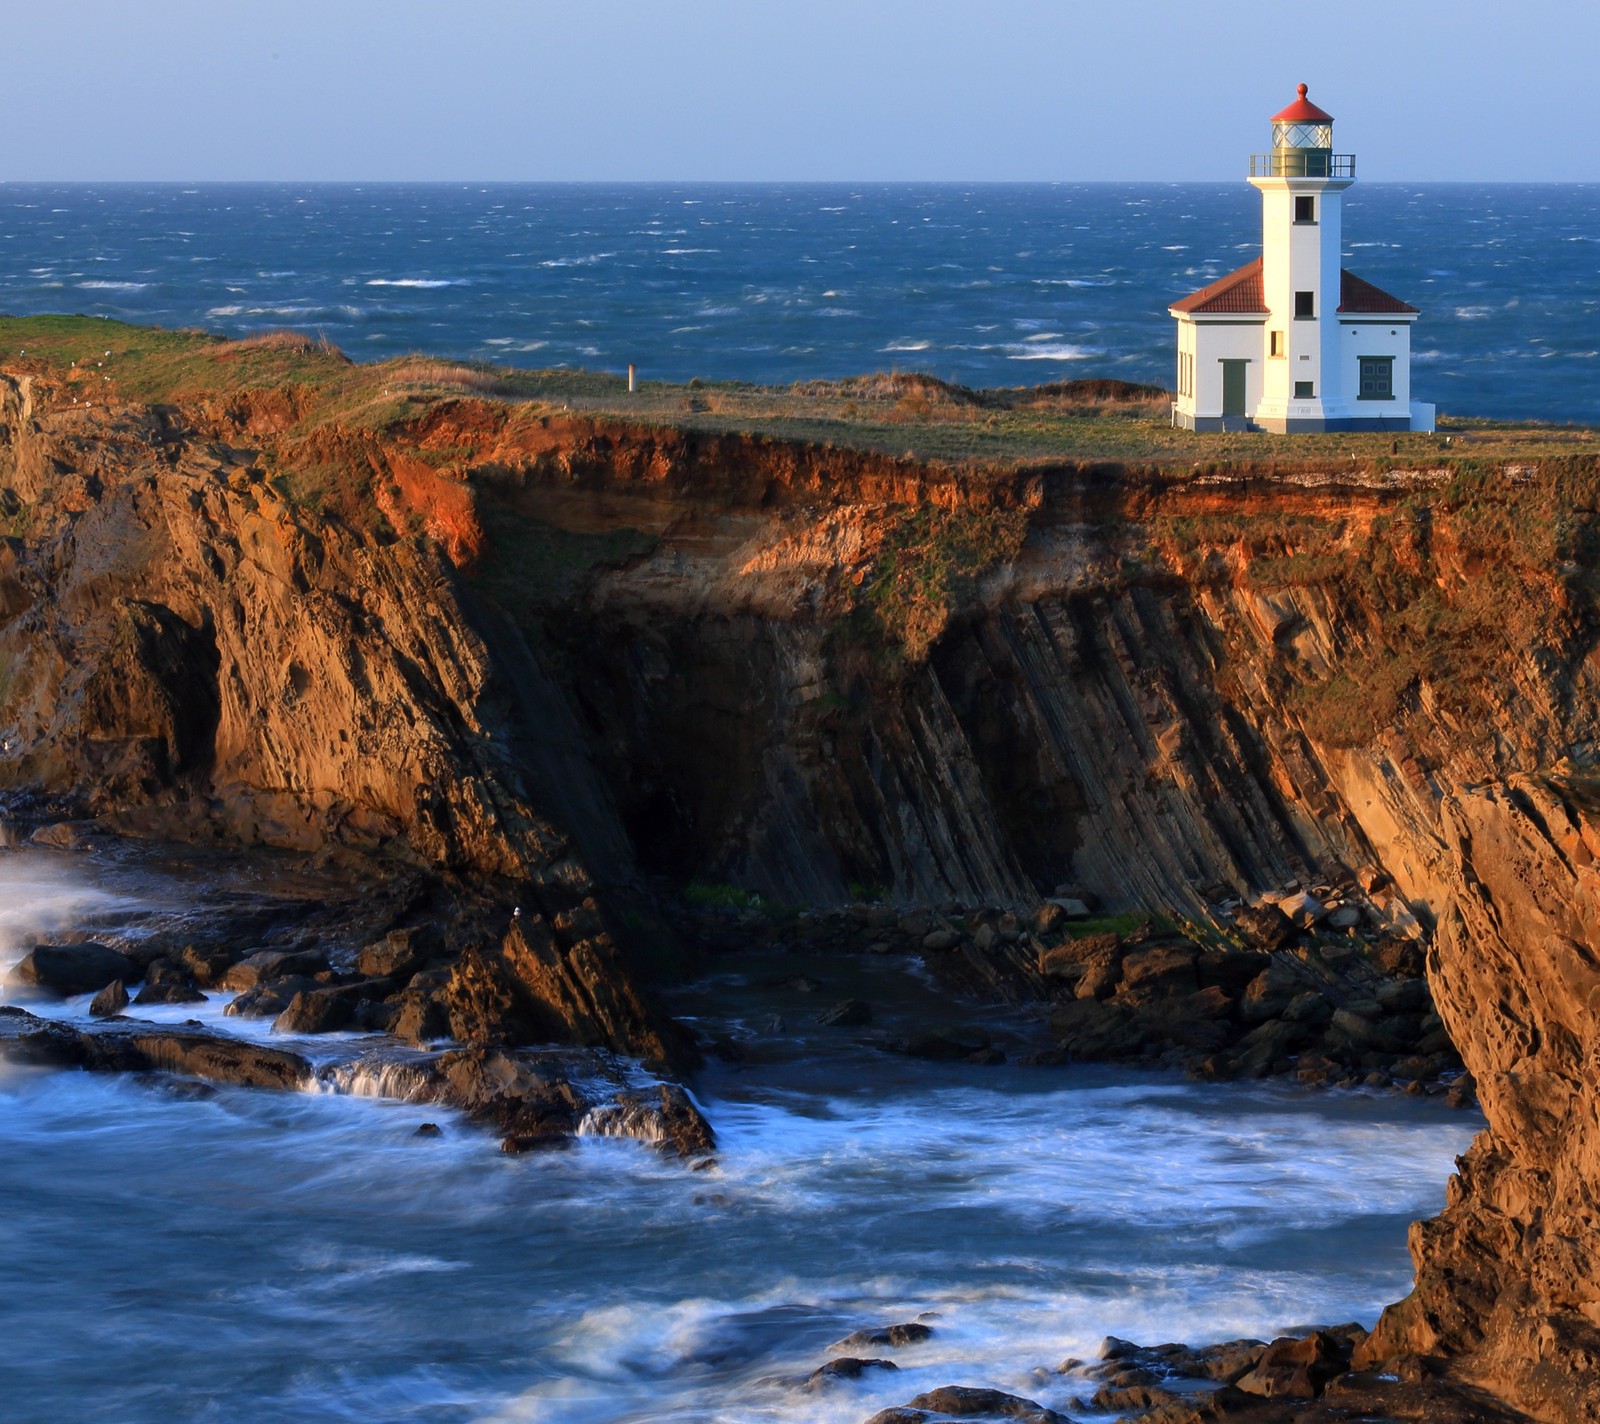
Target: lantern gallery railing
<point>1302,163</point>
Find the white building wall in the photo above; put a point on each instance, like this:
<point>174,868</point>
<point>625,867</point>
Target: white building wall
<point>1219,340</point>
<point>1360,336</point>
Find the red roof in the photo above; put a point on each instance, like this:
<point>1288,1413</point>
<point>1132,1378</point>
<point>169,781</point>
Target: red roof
<point>1303,111</point>
<point>1237,292</point>
<point>1356,295</point>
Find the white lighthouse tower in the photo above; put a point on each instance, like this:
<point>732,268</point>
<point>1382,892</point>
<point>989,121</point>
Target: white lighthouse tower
<point>1292,341</point>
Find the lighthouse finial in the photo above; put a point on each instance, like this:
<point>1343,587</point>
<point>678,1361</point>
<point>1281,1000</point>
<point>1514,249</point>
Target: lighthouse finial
<point>1300,89</point>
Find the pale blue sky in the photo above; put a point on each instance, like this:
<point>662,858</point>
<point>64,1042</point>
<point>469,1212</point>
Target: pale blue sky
<point>754,89</point>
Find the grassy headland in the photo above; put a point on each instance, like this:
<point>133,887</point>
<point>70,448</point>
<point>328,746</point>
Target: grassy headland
<point>900,415</point>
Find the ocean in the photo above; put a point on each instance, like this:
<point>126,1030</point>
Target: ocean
<point>984,284</point>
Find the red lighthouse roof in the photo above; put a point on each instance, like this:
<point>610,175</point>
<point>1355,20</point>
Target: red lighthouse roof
<point>1303,111</point>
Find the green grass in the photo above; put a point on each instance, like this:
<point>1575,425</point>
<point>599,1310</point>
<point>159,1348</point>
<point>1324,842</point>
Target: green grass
<point>901,415</point>
<point>711,895</point>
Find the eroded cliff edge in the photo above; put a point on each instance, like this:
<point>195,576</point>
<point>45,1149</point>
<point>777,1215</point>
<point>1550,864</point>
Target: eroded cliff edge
<point>591,660</point>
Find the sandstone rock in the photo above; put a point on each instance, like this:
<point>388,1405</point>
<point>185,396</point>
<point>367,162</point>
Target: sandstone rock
<point>1089,1029</point>
<point>1071,908</point>
<point>1346,917</point>
<point>1102,972</point>
<point>940,940</point>
<point>1309,1008</point>
<point>1264,928</point>
<point>207,966</point>
<point>71,969</point>
<point>985,937</point>
<point>418,1018</point>
<point>262,1001</point>
<point>397,956</point>
<point>1297,1369</point>
<point>110,1001</point>
<point>314,1011</point>
<point>268,964</point>
<point>62,835</point>
<point>1302,910</point>
<point>1229,970</point>
<point>915,923</point>
<point>530,988</point>
<point>1270,993</point>
<point>1170,967</point>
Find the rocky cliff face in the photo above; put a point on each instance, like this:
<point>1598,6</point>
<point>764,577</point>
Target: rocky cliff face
<point>817,675</point>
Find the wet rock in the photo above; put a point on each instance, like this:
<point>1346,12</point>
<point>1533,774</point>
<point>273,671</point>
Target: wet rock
<point>62,835</point>
<point>534,988</point>
<point>72,969</point>
<point>1309,1008</point>
<point>428,1129</point>
<point>1102,972</point>
<point>849,1013</point>
<point>262,1001</point>
<point>396,956</point>
<point>847,1368</point>
<point>963,1402</point>
<point>1298,1369</point>
<point>169,992</point>
<point>123,1046</point>
<point>1087,1028</point>
<point>911,1333</point>
<point>664,1116</point>
<point>947,1047</point>
<point>266,965</point>
<point>418,1018</point>
<point>207,966</point>
<point>110,1001</point>
<point>314,1011</point>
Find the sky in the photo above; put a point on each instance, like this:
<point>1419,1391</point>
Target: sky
<point>816,90</point>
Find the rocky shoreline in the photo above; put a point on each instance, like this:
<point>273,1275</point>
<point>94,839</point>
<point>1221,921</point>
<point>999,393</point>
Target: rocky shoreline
<point>1316,990</point>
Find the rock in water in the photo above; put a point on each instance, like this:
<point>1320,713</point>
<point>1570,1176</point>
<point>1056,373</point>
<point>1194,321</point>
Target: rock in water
<point>110,1001</point>
<point>69,969</point>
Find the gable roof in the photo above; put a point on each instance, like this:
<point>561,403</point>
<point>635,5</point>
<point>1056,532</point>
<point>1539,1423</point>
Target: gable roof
<point>1237,292</point>
<point>1357,295</point>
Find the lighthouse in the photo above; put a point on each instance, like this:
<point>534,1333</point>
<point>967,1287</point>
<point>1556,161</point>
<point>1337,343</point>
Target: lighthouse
<point>1293,342</point>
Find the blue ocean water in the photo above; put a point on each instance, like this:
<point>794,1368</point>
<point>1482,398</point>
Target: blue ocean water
<point>986,284</point>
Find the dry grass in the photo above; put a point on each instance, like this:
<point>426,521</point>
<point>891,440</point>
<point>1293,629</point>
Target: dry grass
<point>280,339</point>
<point>427,374</point>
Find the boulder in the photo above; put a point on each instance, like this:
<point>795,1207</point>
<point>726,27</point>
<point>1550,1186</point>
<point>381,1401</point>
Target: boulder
<point>398,955</point>
<point>1087,1028</point>
<point>965,1403</point>
<point>1298,1369</point>
<point>1302,909</point>
<point>268,964</point>
<point>419,1018</point>
<point>207,966</point>
<point>70,969</point>
<point>314,1011</point>
<point>848,1367</point>
<point>1270,993</point>
<point>1264,928</point>
<point>937,941</point>
<point>1167,966</point>
<point>169,992</point>
<point>911,1333</point>
<point>110,1001</point>
<point>1346,917</point>
<point>1230,970</point>
<point>262,1001</point>
<point>1102,972</point>
<point>1071,907</point>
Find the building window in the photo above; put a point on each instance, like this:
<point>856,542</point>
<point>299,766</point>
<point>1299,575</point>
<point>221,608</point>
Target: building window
<point>1305,306</point>
<point>1377,378</point>
<point>1305,390</point>
<point>1275,343</point>
<point>1305,208</point>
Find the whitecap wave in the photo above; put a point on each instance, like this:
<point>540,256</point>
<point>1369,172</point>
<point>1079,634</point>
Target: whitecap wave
<point>97,286</point>
<point>426,283</point>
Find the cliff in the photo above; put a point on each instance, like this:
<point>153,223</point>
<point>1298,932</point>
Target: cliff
<point>599,660</point>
